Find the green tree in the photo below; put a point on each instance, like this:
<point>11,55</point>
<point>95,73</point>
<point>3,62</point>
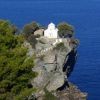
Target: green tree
<point>15,67</point>
<point>65,29</point>
<point>30,29</point>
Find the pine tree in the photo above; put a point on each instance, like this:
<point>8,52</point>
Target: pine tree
<point>15,66</point>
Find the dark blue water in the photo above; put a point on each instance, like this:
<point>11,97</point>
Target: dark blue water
<point>84,15</point>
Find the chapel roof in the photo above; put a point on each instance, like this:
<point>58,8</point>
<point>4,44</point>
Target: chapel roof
<point>51,25</point>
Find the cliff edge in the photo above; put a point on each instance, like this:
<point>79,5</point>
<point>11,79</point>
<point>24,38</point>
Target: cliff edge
<point>54,62</point>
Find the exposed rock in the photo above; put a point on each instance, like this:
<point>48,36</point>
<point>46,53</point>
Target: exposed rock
<point>55,82</point>
<point>49,66</point>
<point>39,32</point>
<point>71,93</point>
<point>42,78</point>
<point>55,60</point>
<point>30,49</point>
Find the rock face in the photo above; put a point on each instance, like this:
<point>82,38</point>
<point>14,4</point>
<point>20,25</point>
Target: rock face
<point>39,32</point>
<point>55,59</point>
<point>56,81</point>
<point>71,93</point>
<point>49,63</point>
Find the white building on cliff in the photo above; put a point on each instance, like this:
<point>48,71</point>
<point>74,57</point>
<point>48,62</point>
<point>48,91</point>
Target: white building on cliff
<point>51,31</point>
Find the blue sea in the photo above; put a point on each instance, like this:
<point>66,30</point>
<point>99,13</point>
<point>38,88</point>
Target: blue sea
<point>84,15</point>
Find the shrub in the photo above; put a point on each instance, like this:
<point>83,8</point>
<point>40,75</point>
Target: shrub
<point>74,41</point>
<point>65,30</point>
<point>30,29</point>
<point>32,40</point>
<point>60,46</point>
<point>49,95</point>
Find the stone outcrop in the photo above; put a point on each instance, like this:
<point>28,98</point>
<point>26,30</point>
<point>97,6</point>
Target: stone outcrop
<point>71,93</point>
<point>54,63</point>
<point>49,63</point>
<point>39,32</point>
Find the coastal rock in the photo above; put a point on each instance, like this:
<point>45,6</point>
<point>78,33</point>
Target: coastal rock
<point>55,60</point>
<point>49,64</point>
<point>42,78</point>
<point>71,93</point>
<point>56,81</point>
<point>30,49</point>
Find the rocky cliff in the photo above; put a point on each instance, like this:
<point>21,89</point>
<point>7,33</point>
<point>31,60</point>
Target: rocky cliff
<point>55,60</point>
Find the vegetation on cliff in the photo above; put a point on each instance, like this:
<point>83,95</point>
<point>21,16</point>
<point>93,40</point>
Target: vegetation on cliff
<point>30,29</point>
<point>65,30</point>
<point>28,32</point>
<point>15,67</point>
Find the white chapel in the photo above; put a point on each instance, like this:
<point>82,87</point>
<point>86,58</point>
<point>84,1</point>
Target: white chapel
<point>51,31</point>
